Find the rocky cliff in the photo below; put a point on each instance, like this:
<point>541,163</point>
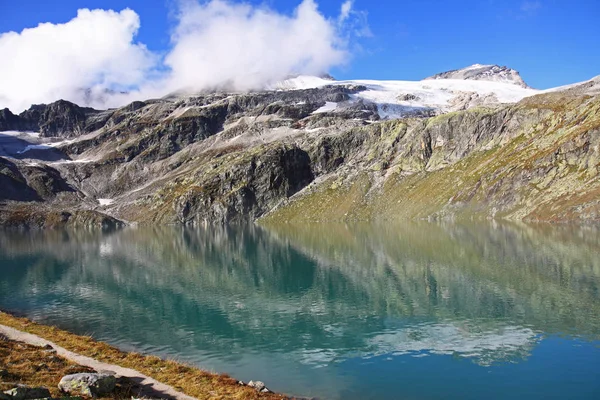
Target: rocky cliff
<point>304,155</point>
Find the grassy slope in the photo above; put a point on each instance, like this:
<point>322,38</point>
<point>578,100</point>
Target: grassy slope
<point>546,172</point>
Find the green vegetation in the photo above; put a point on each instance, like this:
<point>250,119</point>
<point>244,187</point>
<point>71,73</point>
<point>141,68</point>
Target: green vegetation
<point>516,163</point>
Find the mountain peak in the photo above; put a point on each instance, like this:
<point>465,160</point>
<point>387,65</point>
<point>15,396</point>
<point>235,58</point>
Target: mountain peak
<point>481,72</point>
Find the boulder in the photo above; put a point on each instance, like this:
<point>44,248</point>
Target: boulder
<point>259,386</point>
<point>27,393</point>
<point>88,384</point>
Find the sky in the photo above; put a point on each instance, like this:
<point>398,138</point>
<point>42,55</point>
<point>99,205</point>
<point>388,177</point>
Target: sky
<point>149,47</point>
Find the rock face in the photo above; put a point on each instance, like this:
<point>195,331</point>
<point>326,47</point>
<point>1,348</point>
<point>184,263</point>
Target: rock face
<point>479,72</point>
<point>30,182</point>
<point>59,119</point>
<point>312,154</point>
<point>88,384</point>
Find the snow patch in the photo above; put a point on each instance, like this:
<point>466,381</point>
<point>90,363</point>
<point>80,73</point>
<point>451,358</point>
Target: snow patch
<point>19,133</point>
<point>81,160</point>
<point>328,107</point>
<point>35,147</point>
<point>106,202</point>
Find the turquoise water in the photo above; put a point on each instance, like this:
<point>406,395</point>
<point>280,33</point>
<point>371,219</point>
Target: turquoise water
<point>419,311</point>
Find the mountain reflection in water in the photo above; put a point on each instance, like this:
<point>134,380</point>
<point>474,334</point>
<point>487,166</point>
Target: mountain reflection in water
<point>308,308</point>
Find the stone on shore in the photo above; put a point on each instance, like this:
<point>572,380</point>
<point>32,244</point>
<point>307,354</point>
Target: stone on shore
<point>88,384</point>
<point>259,386</point>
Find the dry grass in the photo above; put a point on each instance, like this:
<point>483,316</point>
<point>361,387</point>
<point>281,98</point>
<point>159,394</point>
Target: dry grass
<point>35,366</point>
<point>184,378</point>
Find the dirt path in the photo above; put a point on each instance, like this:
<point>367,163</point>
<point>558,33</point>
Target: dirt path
<point>150,388</point>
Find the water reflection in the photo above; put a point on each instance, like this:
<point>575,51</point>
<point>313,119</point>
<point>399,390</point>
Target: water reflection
<point>299,303</point>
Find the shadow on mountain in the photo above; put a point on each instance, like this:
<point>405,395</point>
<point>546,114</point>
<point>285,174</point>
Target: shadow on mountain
<point>20,148</point>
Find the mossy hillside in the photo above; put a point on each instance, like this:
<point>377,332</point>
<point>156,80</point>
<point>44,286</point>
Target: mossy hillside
<point>532,173</point>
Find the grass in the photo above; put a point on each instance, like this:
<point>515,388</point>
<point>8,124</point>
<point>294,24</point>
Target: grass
<point>35,366</point>
<point>184,378</point>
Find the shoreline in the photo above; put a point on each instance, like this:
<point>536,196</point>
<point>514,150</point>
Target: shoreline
<point>173,379</point>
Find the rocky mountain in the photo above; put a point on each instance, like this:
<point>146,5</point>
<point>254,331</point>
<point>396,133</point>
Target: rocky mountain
<point>312,151</point>
<point>479,72</point>
<point>61,118</point>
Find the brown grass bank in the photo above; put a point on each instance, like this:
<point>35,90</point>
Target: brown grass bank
<point>187,379</point>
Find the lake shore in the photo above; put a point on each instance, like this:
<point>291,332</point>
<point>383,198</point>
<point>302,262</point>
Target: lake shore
<point>171,378</point>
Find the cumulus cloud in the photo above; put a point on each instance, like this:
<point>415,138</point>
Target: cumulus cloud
<point>93,51</point>
<point>215,44</point>
<point>238,46</point>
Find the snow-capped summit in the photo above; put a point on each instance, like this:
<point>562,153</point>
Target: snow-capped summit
<point>480,72</point>
<point>399,99</point>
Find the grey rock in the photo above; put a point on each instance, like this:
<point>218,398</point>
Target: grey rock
<point>258,385</point>
<point>59,119</point>
<point>28,393</point>
<point>88,384</point>
<point>408,97</point>
<point>478,72</point>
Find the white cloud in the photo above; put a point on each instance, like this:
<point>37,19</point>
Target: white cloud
<point>215,44</point>
<point>221,43</point>
<point>95,50</point>
<point>345,11</point>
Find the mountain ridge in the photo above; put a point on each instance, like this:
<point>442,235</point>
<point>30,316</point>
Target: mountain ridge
<point>305,154</point>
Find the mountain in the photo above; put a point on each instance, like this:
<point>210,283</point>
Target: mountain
<point>61,118</point>
<point>309,149</point>
<point>400,99</point>
<point>479,72</point>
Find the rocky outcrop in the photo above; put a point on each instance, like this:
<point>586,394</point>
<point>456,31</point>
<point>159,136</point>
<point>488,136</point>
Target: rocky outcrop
<point>12,122</point>
<point>59,119</point>
<point>22,182</point>
<point>241,190</point>
<point>479,72</point>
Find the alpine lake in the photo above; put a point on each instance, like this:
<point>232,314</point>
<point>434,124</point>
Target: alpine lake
<point>333,311</point>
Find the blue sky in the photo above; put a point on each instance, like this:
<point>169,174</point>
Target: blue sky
<point>551,42</point>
